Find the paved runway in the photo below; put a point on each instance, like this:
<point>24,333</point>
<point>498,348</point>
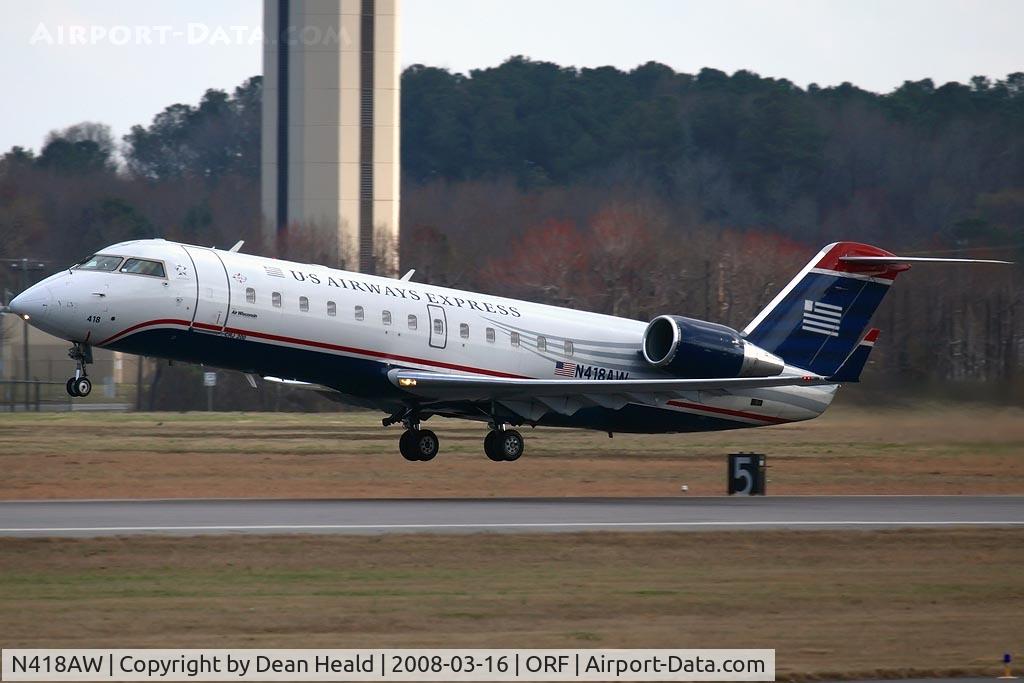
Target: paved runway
<point>99,518</point>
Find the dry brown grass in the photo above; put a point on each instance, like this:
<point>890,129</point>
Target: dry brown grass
<point>851,603</point>
<point>930,450</point>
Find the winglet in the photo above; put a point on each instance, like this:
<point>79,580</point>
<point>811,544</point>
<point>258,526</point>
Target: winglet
<point>854,364</point>
<point>408,276</point>
<point>238,245</point>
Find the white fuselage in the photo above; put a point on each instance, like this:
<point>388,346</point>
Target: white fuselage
<point>344,330</point>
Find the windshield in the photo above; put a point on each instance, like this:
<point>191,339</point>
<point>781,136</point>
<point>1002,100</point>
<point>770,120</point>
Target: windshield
<point>100,262</point>
<point>143,267</point>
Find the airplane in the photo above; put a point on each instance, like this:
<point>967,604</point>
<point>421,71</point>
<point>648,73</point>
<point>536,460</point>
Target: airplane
<point>414,351</point>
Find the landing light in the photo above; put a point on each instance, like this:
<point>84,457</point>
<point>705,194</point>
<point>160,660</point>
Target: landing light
<point>406,382</point>
<point>25,316</point>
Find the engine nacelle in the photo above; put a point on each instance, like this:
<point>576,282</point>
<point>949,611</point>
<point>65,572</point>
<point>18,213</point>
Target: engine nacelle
<point>696,349</point>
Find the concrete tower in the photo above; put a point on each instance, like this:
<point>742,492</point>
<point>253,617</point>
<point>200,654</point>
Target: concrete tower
<point>331,126</point>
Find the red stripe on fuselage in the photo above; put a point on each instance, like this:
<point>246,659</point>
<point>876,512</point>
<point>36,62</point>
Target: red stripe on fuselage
<point>316,344</point>
<point>726,411</point>
<point>148,323</point>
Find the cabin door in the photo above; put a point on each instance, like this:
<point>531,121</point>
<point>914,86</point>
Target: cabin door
<point>438,326</point>
<point>213,295</point>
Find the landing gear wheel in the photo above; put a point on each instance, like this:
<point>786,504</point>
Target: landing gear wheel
<point>418,445</point>
<point>511,445</point>
<point>427,444</point>
<point>407,445</point>
<point>82,386</point>
<point>504,445</point>
<point>70,386</point>
<point>491,446</point>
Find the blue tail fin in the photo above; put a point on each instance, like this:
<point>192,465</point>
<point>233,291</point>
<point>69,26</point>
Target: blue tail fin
<point>817,321</point>
<point>854,364</point>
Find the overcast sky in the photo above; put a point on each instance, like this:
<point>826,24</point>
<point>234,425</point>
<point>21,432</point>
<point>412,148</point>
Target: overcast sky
<point>119,76</point>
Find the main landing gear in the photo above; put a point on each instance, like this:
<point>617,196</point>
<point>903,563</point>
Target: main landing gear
<point>416,445</point>
<point>504,445</point>
<point>80,385</point>
<point>420,445</point>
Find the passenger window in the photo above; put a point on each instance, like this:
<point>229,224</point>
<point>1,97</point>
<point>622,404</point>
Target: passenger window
<point>100,262</point>
<point>250,295</point>
<point>490,335</point>
<point>275,299</point>
<point>360,313</point>
<point>568,347</point>
<point>438,326</point>
<point>515,339</point>
<point>542,344</point>
<point>332,309</point>
<point>304,304</point>
<point>385,317</point>
<point>412,322</point>
<point>140,266</point>
<point>464,330</point>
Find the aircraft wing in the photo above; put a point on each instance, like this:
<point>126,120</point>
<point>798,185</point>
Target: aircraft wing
<point>444,386</point>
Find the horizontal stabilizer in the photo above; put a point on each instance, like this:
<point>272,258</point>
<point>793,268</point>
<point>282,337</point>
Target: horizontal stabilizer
<point>895,260</point>
<point>851,368</point>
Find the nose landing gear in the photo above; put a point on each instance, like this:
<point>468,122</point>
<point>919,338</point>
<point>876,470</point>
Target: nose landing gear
<point>80,385</point>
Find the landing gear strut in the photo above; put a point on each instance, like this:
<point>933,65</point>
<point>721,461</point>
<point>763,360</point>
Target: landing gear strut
<point>504,445</point>
<point>80,385</point>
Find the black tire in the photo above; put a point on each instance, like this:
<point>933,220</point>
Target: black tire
<point>427,445</point>
<point>407,445</point>
<point>510,445</point>
<point>70,386</point>
<point>83,385</point>
<point>491,446</point>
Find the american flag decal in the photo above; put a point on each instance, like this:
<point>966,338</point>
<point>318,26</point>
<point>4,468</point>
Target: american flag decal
<point>822,318</point>
<point>565,369</point>
<point>273,272</point>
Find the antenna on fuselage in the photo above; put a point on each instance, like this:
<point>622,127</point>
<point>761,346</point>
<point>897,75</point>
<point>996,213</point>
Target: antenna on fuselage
<point>238,245</point>
<point>408,276</point>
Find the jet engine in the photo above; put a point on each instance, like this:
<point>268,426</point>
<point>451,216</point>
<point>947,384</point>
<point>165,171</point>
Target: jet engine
<point>696,349</point>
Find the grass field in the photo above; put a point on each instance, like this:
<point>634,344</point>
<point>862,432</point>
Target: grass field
<point>851,603</point>
<point>848,450</point>
<point>855,603</point>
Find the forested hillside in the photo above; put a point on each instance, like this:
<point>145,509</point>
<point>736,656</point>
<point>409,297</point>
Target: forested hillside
<point>638,193</point>
<point>738,150</point>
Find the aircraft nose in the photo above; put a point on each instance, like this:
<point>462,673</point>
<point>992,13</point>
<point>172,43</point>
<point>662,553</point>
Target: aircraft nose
<point>35,302</point>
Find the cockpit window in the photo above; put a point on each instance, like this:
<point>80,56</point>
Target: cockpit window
<point>100,262</point>
<point>140,266</point>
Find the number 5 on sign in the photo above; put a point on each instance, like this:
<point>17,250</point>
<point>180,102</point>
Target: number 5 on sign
<point>746,474</point>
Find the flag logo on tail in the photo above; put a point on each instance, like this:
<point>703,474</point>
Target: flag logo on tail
<point>822,318</point>
<point>565,369</point>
